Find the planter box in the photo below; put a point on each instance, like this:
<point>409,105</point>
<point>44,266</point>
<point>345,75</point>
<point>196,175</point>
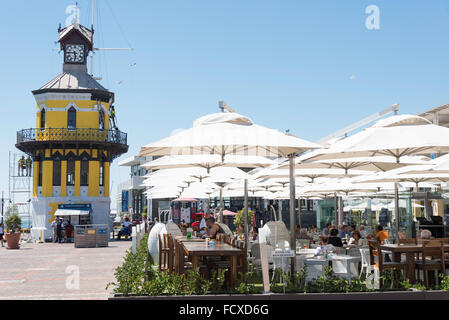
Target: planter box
<point>12,240</point>
<point>387,295</point>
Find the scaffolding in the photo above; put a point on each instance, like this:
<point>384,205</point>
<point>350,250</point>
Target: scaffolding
<point>20,189</point>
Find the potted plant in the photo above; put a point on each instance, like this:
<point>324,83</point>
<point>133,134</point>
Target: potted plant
<point>12,235</point>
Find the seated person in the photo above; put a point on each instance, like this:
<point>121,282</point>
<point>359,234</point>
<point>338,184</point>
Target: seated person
<point>334,239</point>
<point>212,228</point>
<point>355,239</point>
<point>255,234</point>
<point>363,232</point>
<point>324,246</point>
<point>197,223</point>
<point>381,234</point>
<point>126,229</point>
<point>68,231</point>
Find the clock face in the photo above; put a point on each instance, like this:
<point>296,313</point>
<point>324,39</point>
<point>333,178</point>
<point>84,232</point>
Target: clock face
<point>74,53</point>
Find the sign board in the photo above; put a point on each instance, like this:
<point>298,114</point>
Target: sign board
<point>75,206</point>
<point>92,231</point>
<point>284,254</point>
<point>125,200</point>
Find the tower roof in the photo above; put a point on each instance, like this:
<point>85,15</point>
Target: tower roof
<point>78,28</point>
<point>73,77</point>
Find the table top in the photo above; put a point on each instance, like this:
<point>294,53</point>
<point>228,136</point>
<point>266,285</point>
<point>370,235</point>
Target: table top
<point>334,257</point>
<point>407,247</point>
<point>193,239</point>
<point>200,248</point>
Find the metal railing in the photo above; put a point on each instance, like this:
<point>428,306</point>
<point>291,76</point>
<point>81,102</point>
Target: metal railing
<point>71,135</point>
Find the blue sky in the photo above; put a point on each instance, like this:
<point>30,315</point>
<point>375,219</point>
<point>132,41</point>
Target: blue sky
<point>286,64</point>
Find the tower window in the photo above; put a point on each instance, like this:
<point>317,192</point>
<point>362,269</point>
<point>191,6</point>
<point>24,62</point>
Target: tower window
<point>84,172</point>
<point>101,119</point>
<point>39,179</point>
<point>70,173</point>
<point>43,118</point>
<point>57,172</point>
<point>71,118</point>
<point>101,174</point>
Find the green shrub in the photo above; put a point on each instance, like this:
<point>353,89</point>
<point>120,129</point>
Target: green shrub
<point>13,223</point>
<point>444,285</point>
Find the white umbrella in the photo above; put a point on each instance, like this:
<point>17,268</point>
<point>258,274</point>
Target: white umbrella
<point>232,133</point>
<point>310,174</point>
<point>208,161</point>
<point>396,136</point>
<point>376,164</point>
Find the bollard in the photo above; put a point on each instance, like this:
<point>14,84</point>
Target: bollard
<point>134,242</point>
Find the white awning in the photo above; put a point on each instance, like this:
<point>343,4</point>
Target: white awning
<point>71,212</point>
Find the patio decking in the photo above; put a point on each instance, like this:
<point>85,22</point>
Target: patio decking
<point>41,271</point>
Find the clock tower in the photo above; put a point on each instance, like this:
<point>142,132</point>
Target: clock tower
<point>74,143</point>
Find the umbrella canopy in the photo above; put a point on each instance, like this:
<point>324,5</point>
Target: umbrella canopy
<point>235,134</point>
<point>396,136</point>
<point>228,134</point>
<point>438,165</point>
<point>376,164</point>
<point>208,161</point>
<point>311,174</point>
<point>229,213</point>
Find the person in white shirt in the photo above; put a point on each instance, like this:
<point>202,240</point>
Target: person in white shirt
<point>363,232</point>
<point>203,223</point>
<point>54,225</point>
<point>324,247</point>
<point>355,239</point>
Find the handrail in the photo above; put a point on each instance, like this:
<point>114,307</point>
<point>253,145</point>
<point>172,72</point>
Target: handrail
<point>68,135</point>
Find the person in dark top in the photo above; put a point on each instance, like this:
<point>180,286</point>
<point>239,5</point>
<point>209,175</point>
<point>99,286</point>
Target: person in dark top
<point>334,239</point>
<point>59,230</point>
<point>212,228</point>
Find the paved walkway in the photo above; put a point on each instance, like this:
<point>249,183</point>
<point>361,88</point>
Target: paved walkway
<point>49,271</point>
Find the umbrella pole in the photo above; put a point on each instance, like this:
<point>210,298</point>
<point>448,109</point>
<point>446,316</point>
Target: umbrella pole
<point>291,158</point>
<point>299,212</point>
<point>221,205</point>
<point>396,209</point>
<point>245,203</point>
<point>335,209</point>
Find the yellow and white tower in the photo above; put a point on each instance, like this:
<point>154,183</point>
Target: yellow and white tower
<point>74,141</point>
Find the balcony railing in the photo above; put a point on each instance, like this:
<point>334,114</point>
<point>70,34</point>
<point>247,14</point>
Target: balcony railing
<point>62,135</point>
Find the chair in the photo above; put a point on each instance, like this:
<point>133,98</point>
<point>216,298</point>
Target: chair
<point>431,249</point>
<point>340,250</point>
<point>163,252</point>
<point>315,268</point>
<point>303,243</point>
<point>412,241</point>
<point>376,260</point>
<point>354,252</point>
<point>366,266</point>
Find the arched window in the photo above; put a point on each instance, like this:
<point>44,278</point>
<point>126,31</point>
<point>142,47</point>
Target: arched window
<point>101,119</point>
<point>101,173</point>
<point>43,118</point>
<point>39,179</point>
<point>84,170</point>
<point>71,118</point>
<point>70,169</point>
<point>57,169</point>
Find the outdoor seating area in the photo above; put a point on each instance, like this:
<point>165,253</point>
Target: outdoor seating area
<point>386,247</point>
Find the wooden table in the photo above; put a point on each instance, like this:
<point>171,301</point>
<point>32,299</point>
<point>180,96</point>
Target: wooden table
<point>192,239</point>
<point>410,251</point>
<point>195,250</point>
